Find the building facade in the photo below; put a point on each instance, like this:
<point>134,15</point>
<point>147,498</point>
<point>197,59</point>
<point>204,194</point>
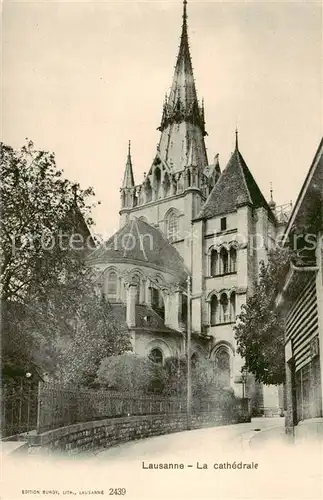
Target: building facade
<point>186,218</point>
<point>301,305</point>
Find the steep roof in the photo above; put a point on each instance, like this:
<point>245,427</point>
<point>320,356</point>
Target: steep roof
<point>183,85</point>
<point>128,179</point>
<point>139,241</point>
<point>142,311</point>
<point>312,189</point>
<point>183,126</point>
<point>236,186</point>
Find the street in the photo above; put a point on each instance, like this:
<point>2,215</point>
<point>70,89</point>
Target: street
<point>241,461</point>
<point>282,471</point>
<point>201,443</point>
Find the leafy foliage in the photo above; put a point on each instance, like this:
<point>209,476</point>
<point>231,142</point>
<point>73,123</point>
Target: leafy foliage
<point>127,373</point>
<point>52,318</point>
<point>259,331</point>
<point>205,379</point>
<point>38,205</point>
<point>130,373</point>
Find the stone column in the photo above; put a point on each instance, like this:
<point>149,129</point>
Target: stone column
<point>176,306</point>
<point>131,305</point>
<point>143,292</point>
<point>168,311</point>
<point>148,294</point>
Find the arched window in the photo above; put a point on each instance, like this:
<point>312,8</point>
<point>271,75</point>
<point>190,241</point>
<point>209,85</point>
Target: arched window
<point>224,261</point>
<point>172,226</point>
<point>233,260</point>
<point>166,184</point>
<point>188,178</point>
<point>224,308</point>
<point>222,366</point>
<point>157,302</point>
<point>111,288</point>
<point>157,182</point>
<point>184,308</point>
<point>148,191</point>
<point>123,199</point>
<point>214,262</point>
<point>156,356</point>
<point>232,306</point>
<point>214,310</point>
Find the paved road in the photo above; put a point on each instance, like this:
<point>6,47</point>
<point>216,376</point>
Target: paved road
<point>280,473</point>
<point>201,442</point>
<point>211,461</point>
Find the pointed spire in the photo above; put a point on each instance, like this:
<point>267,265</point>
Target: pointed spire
<point>128,179</point>
<point>182,114</point>
<point>183,87</point>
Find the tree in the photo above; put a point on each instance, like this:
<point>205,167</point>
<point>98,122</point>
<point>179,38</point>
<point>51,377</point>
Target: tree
<point>259,330</point>
<point>52,316</point>
<point>40,213</point>
<point>127,373</point>
<point>204,379</point>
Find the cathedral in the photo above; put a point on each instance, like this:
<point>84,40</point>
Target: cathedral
<point>189,231</point>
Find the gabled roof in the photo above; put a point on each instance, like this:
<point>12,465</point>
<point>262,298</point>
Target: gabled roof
<point>236,186</point>
<point>314,176</point>
<point>139,241</point>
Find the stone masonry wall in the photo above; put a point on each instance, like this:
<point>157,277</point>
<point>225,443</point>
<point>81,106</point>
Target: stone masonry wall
<point>100,434</point>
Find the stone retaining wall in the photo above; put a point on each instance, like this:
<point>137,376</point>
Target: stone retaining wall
<point>100,434</point>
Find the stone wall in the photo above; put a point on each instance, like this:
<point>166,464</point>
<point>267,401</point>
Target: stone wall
<point>100,434</point>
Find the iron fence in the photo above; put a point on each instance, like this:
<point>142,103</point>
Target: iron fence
<point>48,406</point>
<point>59,406</point>
<point>19,405</point>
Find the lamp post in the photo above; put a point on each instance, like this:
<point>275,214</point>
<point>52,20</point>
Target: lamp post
<point>188,355</point>
<point>28,377</point>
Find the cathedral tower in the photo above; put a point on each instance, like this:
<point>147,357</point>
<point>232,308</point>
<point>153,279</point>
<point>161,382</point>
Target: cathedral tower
<point>179,179</point>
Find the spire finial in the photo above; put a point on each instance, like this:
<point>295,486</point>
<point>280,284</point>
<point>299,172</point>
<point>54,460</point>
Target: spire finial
<point>237,139</point>
<point>129,148</point>
<point>271,204</point>
<point>185,10</point>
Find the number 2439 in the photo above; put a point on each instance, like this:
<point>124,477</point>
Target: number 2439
<point>117,491</point>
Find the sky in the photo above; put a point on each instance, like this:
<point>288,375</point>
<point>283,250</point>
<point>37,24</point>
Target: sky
<point>81,78</point>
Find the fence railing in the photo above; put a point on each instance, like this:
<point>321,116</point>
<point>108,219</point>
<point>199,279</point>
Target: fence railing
<point>49,406</point>
<point>19,405</point>
<point>65,406</point>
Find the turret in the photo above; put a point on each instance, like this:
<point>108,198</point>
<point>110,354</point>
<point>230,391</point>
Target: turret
<point>128,189</point>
